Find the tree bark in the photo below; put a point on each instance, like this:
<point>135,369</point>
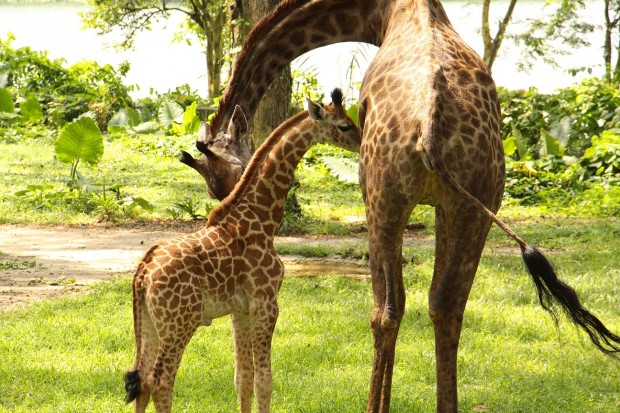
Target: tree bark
<point>612,19</point>
<point>493,44</point>
<point>275,107</point>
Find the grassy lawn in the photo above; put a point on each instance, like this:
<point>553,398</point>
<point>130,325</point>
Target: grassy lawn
<point>68,355</point>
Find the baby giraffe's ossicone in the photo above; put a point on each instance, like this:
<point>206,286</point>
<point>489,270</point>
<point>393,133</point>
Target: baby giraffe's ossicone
<point>230,267</point>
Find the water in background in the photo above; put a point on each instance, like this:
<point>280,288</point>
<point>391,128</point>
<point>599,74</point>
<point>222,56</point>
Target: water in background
<point>159,64</point>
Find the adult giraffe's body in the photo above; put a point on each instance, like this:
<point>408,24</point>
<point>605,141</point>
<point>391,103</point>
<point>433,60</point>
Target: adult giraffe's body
<point>430,123</point>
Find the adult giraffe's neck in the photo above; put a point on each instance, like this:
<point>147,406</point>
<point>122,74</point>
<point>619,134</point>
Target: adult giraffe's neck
<point>292,29</point>
<point>264,186</point>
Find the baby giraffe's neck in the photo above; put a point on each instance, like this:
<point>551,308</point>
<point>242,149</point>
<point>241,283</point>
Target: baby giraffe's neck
<point>258,199</point>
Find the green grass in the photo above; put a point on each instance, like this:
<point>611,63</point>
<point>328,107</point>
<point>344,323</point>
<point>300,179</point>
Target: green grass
<point>161,180</point>
<point>68,355</point>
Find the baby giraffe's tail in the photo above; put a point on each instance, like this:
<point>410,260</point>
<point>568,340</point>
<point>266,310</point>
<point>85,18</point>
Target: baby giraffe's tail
<point>132,385</point>
<point>132,377</point>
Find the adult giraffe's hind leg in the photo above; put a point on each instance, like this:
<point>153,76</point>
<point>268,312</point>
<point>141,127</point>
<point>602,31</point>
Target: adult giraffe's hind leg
<point>460,238</point>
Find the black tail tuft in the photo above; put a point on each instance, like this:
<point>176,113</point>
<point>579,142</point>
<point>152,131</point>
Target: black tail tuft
<point>552,291</point>
<point>187,159</point>
<point>132,385</point>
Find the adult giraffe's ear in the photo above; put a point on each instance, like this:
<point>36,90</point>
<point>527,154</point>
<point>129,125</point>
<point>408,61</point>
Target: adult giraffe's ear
<point>315,111</point>
<point>238,125</point>
<point>204,133</point>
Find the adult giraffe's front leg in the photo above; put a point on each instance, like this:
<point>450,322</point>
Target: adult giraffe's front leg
<point>387,210</point>
<point>387,313</point>
<point>460,237</point>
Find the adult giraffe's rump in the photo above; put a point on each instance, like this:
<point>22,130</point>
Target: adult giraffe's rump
<point>430,123</point>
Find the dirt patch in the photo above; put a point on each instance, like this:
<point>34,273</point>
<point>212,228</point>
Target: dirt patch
<point>44,262</point>
<point>39,262</point>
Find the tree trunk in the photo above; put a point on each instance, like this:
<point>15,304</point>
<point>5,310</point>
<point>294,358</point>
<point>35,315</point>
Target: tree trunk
<point>607,43</point>
<point>493,44</point>
<point>212,21</point>
<point>275,107</point>
<point>612,19</point>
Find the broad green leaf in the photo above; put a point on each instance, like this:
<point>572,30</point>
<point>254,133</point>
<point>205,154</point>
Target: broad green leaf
<point>510,147</point>
<point>191,121</point>
<point>148,128</point>
<point>125,117</point>
<point>31,110</point>
<point>118,121</point>
<point>170,112</point>
<point>551,146</point>
<point>80,140</point>
<point>520,142</point>
<point>133,117</point>
<point>561,130</point>
<point>139,201</point>
<point>353,113</point>
<point>607,136</point>
<point>6,101</point>
<point>344,169</point>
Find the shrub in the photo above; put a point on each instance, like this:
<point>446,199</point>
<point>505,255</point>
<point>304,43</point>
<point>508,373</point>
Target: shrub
<point>62,93</point>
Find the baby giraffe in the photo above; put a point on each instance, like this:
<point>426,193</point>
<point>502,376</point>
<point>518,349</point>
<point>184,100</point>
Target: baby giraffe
<point>228,267</point>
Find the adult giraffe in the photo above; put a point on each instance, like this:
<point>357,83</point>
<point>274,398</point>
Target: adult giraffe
<point>430,133</point>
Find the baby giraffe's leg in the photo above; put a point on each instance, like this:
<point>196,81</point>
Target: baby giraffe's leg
<point>178,321</point>
<point>148,353</point>
<point>263,318</point>
<point>165,371</point>
<point>244,366</point>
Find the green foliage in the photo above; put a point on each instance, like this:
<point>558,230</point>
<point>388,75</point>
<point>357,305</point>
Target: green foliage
<point>63,93</point>
<point>80,140</point>
<point>31,110</point>
<point>170,112</point>
<point>346,170</point>
<point>560,145</point>
<point>104,203</point>
<point>545,38</point>
<point>305,86</point>
<point>571,115</point>
<point>558,179</point>
<point>190,207</point>
<point>6,101</point>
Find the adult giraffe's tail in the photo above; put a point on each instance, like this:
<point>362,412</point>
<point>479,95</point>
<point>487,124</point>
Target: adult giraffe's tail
<point>552,292</point>
<point>132,377</point>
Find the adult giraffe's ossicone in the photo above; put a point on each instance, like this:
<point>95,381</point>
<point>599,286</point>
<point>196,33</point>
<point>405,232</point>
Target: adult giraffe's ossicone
<point>430,123</point>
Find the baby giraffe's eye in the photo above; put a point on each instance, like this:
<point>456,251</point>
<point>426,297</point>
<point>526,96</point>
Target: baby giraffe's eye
<point>344,127</point>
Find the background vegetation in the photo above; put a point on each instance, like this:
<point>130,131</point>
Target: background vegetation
<point>563,150</point>
<point>76,149</point>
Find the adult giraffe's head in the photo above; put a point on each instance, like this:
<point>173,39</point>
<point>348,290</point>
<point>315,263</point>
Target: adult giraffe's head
<point>226,153</point>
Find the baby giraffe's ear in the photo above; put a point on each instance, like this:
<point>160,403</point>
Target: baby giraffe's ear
<point>238,125</point>
<point>315,111</point>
